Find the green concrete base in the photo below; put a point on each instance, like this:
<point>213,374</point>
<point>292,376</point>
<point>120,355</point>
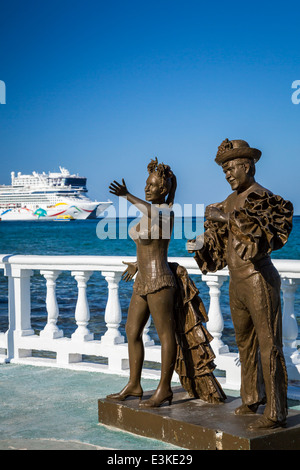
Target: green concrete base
<point>195,425</point>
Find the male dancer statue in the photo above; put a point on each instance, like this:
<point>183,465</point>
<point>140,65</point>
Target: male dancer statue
<point>241,232</point>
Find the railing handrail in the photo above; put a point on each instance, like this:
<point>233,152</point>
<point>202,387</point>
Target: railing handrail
<point>286,267</point>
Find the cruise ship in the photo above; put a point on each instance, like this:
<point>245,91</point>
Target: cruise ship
<point>52,196</point>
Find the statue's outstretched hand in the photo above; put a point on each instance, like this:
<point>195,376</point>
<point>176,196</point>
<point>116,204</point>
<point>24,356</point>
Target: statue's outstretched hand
<point>118,189</point>
<point>196,244</point>
<point>129,272</point>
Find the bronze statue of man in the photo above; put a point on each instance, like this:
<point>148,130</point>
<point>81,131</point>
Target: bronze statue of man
<point>241,232</point>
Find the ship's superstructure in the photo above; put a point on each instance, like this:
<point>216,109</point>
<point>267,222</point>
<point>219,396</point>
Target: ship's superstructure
<point>41,196</point>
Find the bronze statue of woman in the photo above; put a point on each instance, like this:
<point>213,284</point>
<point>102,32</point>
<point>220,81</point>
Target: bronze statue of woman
<point>155,285</point>
<point>165,292</point>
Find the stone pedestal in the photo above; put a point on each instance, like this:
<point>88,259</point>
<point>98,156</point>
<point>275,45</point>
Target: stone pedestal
<point>195,425</point>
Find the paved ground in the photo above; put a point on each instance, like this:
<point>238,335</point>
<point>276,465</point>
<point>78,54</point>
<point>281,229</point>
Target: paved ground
<point>47,408</point>
<point>51,409</point>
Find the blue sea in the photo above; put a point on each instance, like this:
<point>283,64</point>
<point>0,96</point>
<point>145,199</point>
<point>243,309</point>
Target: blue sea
<point>80,238</point>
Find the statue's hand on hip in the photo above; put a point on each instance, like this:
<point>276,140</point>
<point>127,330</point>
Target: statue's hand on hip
<point>130,271</point>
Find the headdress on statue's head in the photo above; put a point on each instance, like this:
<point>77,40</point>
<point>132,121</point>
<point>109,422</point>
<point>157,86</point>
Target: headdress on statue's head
<point>167,176</point>
<point>231,149</point>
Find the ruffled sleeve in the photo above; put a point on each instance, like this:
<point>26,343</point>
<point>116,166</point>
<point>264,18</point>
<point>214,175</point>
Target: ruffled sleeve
<point>263,225</point>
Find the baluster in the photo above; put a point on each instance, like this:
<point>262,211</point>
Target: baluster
<point>113,313</point>
<point>289,323</point>
<point>51,330</point>
<point>146,338</point>
<point>215,324</point>
<point>82,312</point>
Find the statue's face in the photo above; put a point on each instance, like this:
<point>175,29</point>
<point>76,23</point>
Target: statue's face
<point>153,189</point>
<point>236,174</point>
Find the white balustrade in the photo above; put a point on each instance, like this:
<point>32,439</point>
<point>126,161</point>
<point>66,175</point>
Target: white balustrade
<point>20,341</point>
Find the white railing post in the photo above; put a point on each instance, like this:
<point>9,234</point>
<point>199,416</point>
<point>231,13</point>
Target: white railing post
<point>82,312</point>
<point>290,327</point>
<point>22,301</point>
<point>19,310</point>
<point>11,314</point>
<point>51,330</point>
<point>215,324</point>
<point>113,312</point>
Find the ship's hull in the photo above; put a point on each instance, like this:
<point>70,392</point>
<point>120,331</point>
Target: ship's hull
<point>60,211</point>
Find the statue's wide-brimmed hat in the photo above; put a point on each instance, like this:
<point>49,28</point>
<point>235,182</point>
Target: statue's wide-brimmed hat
<point>231,149</point>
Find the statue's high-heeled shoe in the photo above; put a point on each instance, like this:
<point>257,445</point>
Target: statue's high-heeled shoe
<point>152,403</point>
<point>121,396</point>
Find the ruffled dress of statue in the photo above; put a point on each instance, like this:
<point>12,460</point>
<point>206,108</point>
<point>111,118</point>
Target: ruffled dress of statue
<point>194,362</point>
<point>261,226</point>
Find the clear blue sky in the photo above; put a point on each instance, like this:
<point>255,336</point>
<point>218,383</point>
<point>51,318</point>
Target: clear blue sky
<point>101,87</point>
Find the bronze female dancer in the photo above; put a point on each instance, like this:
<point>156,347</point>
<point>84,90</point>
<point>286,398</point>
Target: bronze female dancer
<point>154,288</point>
<point>167,293</point>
